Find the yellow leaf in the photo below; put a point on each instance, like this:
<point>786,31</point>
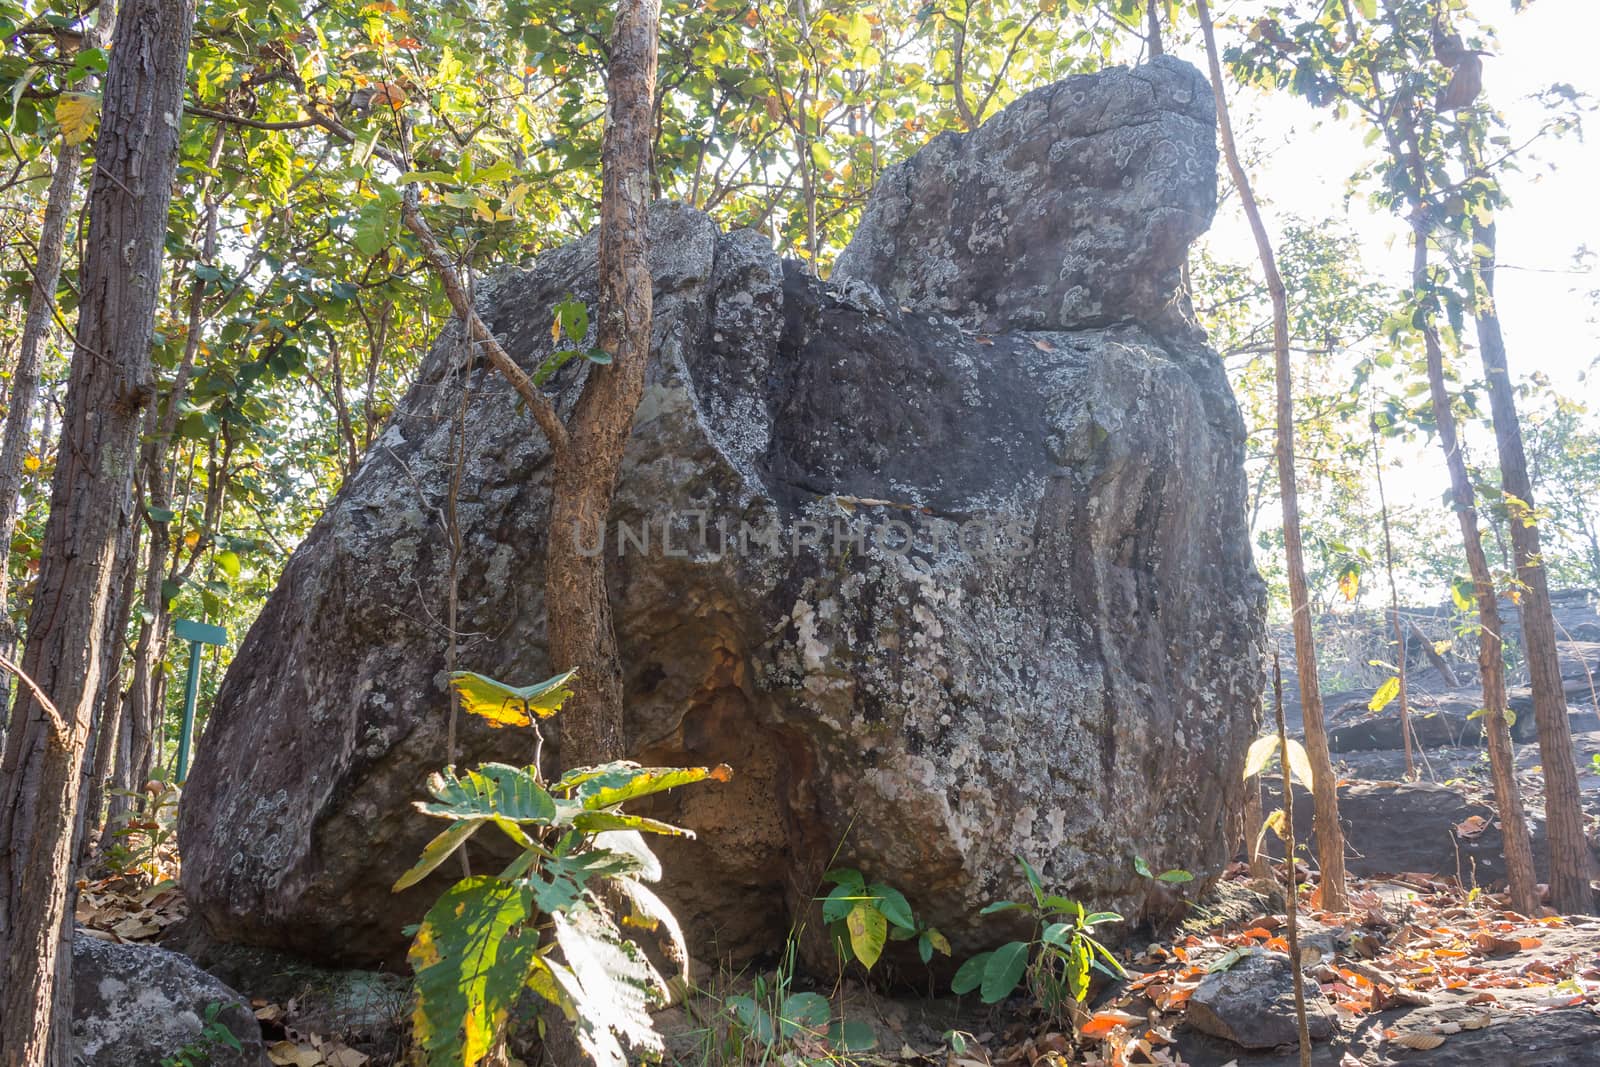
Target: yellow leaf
<point>1350,583</point>
<point>77,113</point>
<point>32,463</point>
<point>1262,749</point>
<point>1299,763</point>
<point>505,705</point>
<point>191,538</point>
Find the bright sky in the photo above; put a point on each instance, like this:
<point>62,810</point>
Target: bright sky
<point>1545,303</point>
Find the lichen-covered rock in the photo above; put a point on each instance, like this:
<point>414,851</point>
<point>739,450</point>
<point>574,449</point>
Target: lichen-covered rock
<point>136,1005</point>
<point>1074,207</point>
<point>944,597</point>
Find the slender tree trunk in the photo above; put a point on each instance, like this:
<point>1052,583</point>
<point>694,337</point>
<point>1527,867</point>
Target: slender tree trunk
<point>1571,863</point>
<point>1491,665</point>
<point>585,471</point>
<point>1152,19</point>
<point>1394,609</point>
<point>37,323</point>
<point>110,382</point>
<point>1330,834</point>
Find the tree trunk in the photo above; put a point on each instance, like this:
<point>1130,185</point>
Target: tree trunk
<point>110,382</point>
<point>37,323</point>
<point>585,470</point>
<point>1404,695</point>
<point>1571,864</point>
<point>1491,663</point>
<point>1330,834</point>
<point>1153,30</point>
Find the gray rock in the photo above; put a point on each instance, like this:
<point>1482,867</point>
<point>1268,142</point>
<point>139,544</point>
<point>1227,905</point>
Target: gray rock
<point>1009,608</point>
<point>135,1005</point>
<point>1252,1004</point>
<point>1118,168</point>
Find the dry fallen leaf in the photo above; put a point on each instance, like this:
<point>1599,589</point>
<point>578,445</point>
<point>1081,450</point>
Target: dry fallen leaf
<point>1420,1042</point>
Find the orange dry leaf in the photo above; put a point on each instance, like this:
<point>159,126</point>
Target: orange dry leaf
<point>1103,1022</point>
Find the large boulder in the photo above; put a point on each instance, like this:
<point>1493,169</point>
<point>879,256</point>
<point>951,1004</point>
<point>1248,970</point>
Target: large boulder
<point>940,597</point>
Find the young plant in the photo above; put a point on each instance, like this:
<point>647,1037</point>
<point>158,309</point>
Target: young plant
<point>863,918</point>
<point>1056,961</point>
<point>214,1037</point>
<point>544,922</point>
<point>772,1016</point>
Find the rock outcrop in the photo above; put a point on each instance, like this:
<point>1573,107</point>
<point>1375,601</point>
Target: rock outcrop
<point>139,1005</point>
<point>947,558</point>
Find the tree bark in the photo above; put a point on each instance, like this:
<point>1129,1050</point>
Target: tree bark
<point>1153,30</point>
<point>585,470</point>
<point>1329,832</point>
<point>110,382</point>
<point>1401,671</point>
<point>37,322</point>
<point>1571,863</point>
<point>1491,663</point>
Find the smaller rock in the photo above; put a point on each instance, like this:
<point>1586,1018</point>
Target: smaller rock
<point>1252,1004</point>
<point>136,1005</point>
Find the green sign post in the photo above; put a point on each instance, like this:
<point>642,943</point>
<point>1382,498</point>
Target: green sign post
<point>197,634</point>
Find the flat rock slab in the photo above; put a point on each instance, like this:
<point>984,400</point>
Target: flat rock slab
<point>1251,1004</point>
<point>136,1005</point>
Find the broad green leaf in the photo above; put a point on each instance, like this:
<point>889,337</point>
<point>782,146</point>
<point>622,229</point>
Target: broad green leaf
<point>1175,877</point>
<point>1033,880</point>
<point>1002,905</point>
<point>1386,693</point>
<point>504,705</point>
<point>494,790</point>
<point>650,912</point>
<point>631,844</point>
<point>229,562</point>
<point>837,904</point>
<point>1078,970</point>
<point>852,1035</point>
<point>591,822</point>
<point>937,940</point>
<point>868,932</point>
<point>472,957</point>
<point>969,975</point>
<point>437,851</point>
<point>804,1013</point>
<point>1004,970</point>
<point>1061,935</point>
<point>893,904</point>
<point>619,987</point>
<point>754,1018</point>
<point>630,781</point>
<point>846,876</point>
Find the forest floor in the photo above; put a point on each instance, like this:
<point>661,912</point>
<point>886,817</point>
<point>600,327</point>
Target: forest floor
<point>1428,967</point>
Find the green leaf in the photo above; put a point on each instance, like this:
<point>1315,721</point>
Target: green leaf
<point>846,876</point>
<point>1078,960</point>
<point>472,957</point>
<point>626,781</point>
<point>1141,868</point>
<point>837,904</point>
<point>1175,877</point>
<point>852,1035</point>
<point>1033,880</point>
<point>869,929</point>
<point>1003,905</point>
<point>894,905</point>
<point>1062,935</point>
<point>229,562</point>
<point>591,822</point>
<point>494,790</point>
<point>437,851</point>
<point>1004,970</point>
<point>1386,693</point>
<point>615,989</point>
<point>970,974</point>
<point>804,1013</point>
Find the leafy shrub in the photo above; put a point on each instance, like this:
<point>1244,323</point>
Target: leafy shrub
<point>544,922</point>
<point>1056,960</point>
<point>863,918</point>
<point>773,1016</point>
